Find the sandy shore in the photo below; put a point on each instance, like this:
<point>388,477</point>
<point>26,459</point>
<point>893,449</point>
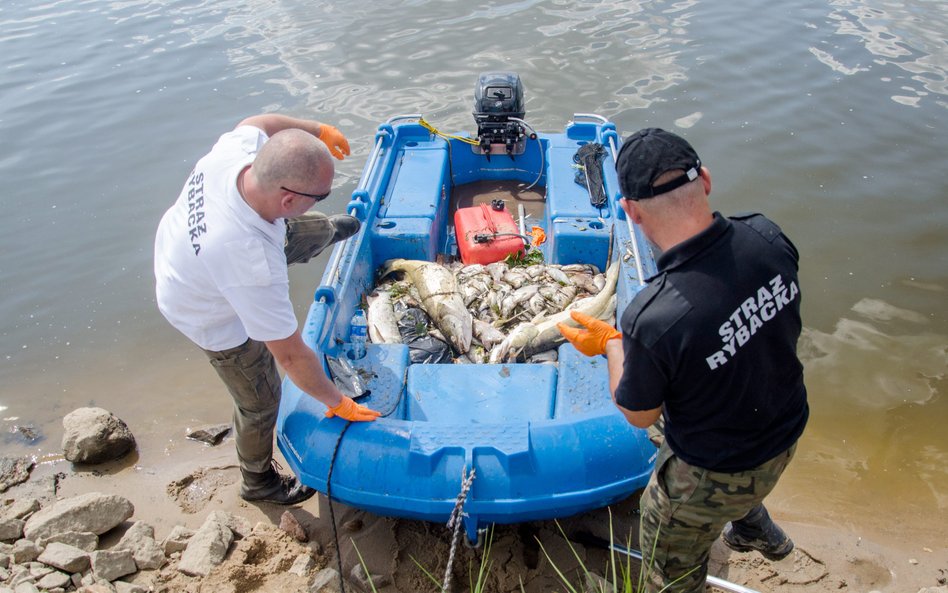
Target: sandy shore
<point>195,479</point>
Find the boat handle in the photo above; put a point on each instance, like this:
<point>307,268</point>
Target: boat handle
<point>593,116</point>
<point>396,118</point>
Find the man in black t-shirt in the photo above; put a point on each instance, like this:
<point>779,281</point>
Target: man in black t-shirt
<point>708,347</point>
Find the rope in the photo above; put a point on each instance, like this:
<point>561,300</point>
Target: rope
<point>455,522</point>
<point>332,514</point>
<point>437,132</point>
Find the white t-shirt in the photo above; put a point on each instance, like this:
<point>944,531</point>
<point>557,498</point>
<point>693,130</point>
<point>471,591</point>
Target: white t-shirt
<point>220,269</point>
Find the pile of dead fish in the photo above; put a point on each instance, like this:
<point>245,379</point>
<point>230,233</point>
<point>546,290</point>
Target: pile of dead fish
<point>484,313</point>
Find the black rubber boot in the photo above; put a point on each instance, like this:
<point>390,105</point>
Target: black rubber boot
<point>757,531</point>
<point>274,488</point>
<point>345,226</point>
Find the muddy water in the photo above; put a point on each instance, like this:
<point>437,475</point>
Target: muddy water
<point>828,116</point>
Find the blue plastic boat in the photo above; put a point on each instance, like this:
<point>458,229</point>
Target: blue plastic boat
<point>545,440</point>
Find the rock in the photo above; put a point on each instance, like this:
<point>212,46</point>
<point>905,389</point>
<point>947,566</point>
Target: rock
<point>19,574</point>
<point>289,524</point>
<point>123,587</point>
<point>325,581</point>
<point>368,582</point>
<point>140,540</point>
<point>96,588</point>
<point>54,580</point>
<point>84,540</point>
<point>11,529</point>
<point>207,548</point>
<point>38,570</point>
<point>942,589</point>
<point>25,550</point>
<point>212,435</point>
<point>21,508</point>
<point>26,588</point>
<point>93,512</point>
<point>239,525</point>
<point>65,557</point>
<point>109,565</point>
<point>14,470</point>
<point>27,434</point>
<point>177,540</point>
<point>94,435</point>
<point>302,565</point>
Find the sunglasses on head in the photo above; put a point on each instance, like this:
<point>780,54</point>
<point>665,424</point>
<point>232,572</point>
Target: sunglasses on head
<point>316,197</point>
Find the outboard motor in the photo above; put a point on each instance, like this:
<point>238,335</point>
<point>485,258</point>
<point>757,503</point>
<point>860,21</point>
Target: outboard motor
<point>498,112</point>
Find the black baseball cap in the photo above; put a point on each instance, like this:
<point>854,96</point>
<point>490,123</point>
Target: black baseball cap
<point>646,155</point>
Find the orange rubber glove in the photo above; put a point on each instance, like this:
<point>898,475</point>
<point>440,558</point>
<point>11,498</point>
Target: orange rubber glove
<point>349,410</point>
<point>334,140</point>
<point>592,337</point>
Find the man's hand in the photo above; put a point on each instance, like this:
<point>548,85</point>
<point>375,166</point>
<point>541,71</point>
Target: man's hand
<point>334,140</point>
<point>349,410</point>
<point>591,339</point>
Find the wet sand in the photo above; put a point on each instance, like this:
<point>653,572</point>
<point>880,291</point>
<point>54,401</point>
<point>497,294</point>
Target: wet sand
<point>195,479</point>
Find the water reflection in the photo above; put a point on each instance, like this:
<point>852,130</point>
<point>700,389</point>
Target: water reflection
<point>866,364</point>
<point>896,34</point>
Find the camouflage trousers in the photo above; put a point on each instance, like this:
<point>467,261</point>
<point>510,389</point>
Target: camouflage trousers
<point>249,371</point>
<point>684,508</point>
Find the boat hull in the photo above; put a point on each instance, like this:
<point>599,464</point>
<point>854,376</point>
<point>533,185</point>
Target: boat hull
<point>544,440</point>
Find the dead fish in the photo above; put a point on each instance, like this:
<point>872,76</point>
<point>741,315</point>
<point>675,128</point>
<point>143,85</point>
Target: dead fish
<point>599,280</point>
<point>517,299</point>
<point>538,304</point>
<point>583,282</point>
<point>380,316</point>
<point>544,357</point>
<point>514,343</point>
<point>559,296</point>
<point>440,299</point>
<point>487,334</point>
<point>589,269</point>
<point>516,277</point>
<point>557,275</point>
<point>545,335</point>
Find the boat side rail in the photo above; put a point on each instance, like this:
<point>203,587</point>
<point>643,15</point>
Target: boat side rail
<point>360,194</point>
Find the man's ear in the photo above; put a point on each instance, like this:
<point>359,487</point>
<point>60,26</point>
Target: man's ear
<point>286,200</point>
<point>706,180</point>
<point>631,210</point>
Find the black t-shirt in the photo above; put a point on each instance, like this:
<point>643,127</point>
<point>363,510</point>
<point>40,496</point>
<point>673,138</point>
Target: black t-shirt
<point>713,338</point>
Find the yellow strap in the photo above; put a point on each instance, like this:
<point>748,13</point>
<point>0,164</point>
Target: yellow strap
<point>436,132</point>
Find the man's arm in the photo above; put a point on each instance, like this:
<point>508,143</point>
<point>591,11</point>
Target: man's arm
<point>302,366</point>
<point>615,355</point>
<point>271,123</point>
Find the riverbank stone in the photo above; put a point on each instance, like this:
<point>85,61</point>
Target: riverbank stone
<point>91,512</point>
<point>140,540</point>
<point>65,557</point>
<point>14,470</point>
<point>109,565</point>
<point>95,435</point>
<point>206,548</point>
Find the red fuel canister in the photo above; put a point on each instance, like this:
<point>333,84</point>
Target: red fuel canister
<point>486,234</point>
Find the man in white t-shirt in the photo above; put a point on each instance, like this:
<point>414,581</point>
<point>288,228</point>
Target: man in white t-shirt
<point>221,256</point>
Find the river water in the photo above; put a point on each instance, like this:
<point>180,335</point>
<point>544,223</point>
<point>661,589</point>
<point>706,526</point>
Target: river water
<point>829,116</point>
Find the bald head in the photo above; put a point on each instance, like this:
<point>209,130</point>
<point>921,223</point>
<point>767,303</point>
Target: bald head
<point>295,159</point>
